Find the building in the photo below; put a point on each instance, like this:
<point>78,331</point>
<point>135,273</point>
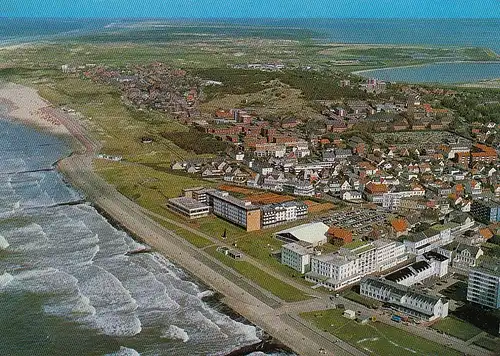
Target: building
<point>484,284</point>
<point>486,211</point>
<point>374,192</point>
<point>339,235</point>
<point>239,212</point>
<point>483,153</point>
<point>425,241</point>
<point>434,266</point>
<point>297,256</point>
<point>404,299</point>
<point>355,260</point>
<point>274,214</point>
<point>188,207</point>
<point>462,256</point>
<point>313,233</point>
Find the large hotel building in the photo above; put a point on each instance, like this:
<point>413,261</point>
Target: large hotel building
<point>239,212</point>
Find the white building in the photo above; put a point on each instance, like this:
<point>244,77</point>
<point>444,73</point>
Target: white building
<point>432,265</point>
<point>462,256</point>
<point>401,298</point>
<point>189,207</point>
<point>392,200</point>
<point>353,261</point>
<point>297,256</point>
<point>280,213</point>
<point>428,240</point>
<point>484,284</point>
<point>313,233</point>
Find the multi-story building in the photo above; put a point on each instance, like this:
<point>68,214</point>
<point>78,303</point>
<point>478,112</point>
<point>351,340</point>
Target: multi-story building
<point>403,299</point>
<point>355,260</point>
<point>374,192</point>
<point>486,211</point>
<point>188,207</point>
<point>297,255</point>
<point>239,212</point>
<point>392,200</point>
<point>484,284</point>
<point>425,241</point>
<point>434,265</point>
<point>280,213</point>
<point>461,255</point>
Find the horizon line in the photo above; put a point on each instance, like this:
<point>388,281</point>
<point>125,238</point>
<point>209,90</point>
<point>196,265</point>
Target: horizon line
<point>239,18</point>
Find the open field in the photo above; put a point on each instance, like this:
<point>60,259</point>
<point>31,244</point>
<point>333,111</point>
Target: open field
<point>375,338</point>
<point>457,328</point>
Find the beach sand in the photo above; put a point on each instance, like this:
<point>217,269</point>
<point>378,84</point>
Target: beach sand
<point>24,104</point>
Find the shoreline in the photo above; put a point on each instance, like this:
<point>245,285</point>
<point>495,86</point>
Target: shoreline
<point>230,298</point>
<point>426,64</point>
<point>215,300</point>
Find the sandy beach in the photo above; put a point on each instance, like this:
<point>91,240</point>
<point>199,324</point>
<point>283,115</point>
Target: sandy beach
<point>24,104</point>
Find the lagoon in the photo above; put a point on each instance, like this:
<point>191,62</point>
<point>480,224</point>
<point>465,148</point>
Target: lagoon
<point>447,73</point>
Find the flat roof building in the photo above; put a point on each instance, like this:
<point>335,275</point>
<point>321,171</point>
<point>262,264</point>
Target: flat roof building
<point>484,284</point>
<point>239,212</point>
<point>189,207</point>
<point>297,256</point>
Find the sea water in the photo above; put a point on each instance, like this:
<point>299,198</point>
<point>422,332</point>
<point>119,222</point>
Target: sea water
<point>67,284</point>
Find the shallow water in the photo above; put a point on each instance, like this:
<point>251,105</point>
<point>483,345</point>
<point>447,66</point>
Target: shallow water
<point>459,72</point>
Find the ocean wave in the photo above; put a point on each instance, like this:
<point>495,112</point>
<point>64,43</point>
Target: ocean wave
<point>175,332</point>
<point>5,279</point>
<point>3,243</point>
<point>124,351</point>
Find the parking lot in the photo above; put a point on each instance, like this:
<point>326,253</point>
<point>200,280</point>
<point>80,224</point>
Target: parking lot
<point>359,221</point>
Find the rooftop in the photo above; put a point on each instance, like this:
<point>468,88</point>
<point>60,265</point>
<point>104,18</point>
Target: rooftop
<point>187,203</point>
<point>232,200</point>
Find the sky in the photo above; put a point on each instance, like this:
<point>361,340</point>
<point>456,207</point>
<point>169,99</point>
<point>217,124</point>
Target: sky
<point>252,8</point>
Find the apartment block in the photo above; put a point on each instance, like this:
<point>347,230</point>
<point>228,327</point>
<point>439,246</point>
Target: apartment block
<point>484,284</point>
<point>486,211</point>
<point>239,212</point>
<point>275,214</point>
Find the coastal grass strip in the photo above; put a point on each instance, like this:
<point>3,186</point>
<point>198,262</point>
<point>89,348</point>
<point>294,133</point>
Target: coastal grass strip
<point>375,337</point>
<point>189,236</point>
<point>277,287</point>
<point>457,328</point>
<point>489,343</point>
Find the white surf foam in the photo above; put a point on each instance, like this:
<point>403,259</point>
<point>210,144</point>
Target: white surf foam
<point>5,279</point>
<point>177,333</point>
<point>3,243</point>
<point>124,351</point>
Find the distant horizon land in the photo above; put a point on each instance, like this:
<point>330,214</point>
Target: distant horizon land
<point>239,18</point>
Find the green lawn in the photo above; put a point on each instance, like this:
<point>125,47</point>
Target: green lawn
<point>457,328</point>
<point>277,287</point>
<point>375,338</point>
<point>490,343</point>
<point>355,297</point>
